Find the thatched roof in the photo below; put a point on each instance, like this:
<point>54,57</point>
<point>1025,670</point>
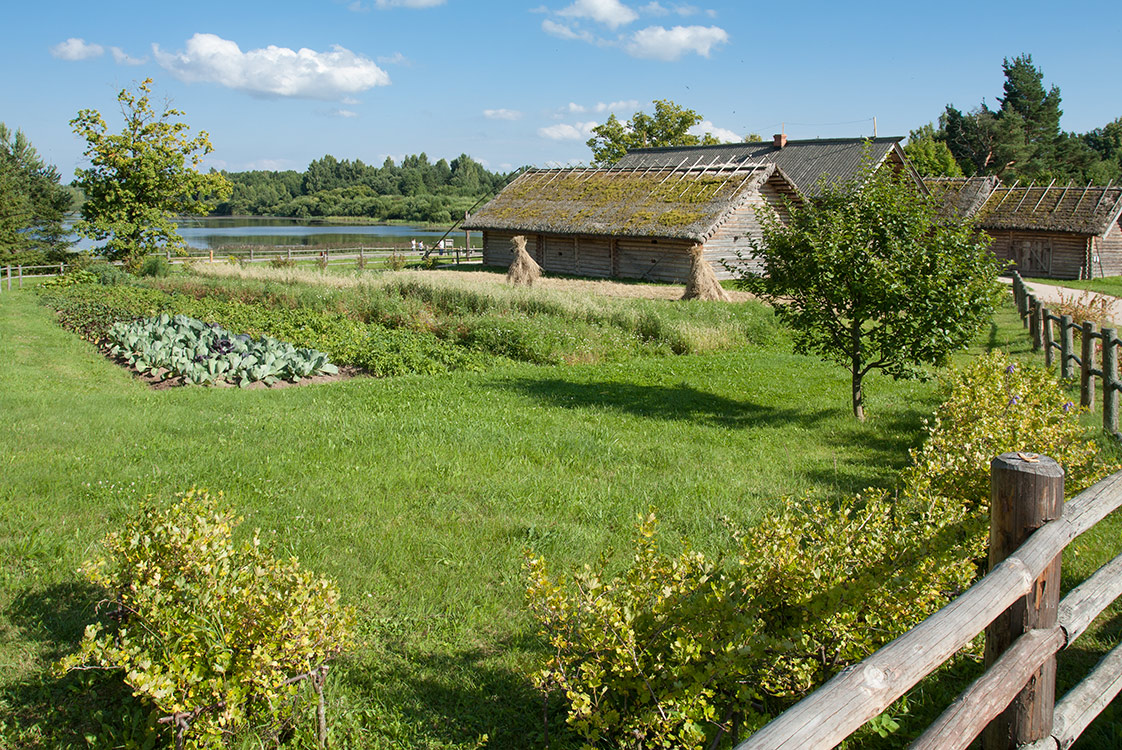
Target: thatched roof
<point>1079,210</point>
<point>807,164</point>
<point>687,203</point>
<point>961,197</point>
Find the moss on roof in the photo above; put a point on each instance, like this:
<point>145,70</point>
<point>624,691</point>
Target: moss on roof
<point>665,202</point>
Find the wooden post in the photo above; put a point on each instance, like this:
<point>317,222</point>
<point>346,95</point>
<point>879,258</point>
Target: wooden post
<point>1049,336</point>
<point>19,270</point>
<point>1036,324</point>
<point>9,269</point>
<point>1023,304</point>
<point>61,269</point>
<point>212,255</point>
<point>289,251</point>
<point>251,254</point>
<point>168,254</point>
<point>1110,380</point>
<point>1086,380</point>
<point>1067,347</point>
<point>1025,494</point>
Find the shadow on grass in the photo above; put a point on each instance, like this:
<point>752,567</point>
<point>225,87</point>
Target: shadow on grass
<point>79,709</point>
<point>439,699</point>
<point>671,403</point>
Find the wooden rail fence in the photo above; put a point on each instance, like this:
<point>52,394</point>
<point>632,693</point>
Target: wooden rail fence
<point>16,274</point>
<point>1017,604</point>
<point>1041,323</point>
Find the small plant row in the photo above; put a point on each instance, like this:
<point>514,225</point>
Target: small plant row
<point>203,354</point>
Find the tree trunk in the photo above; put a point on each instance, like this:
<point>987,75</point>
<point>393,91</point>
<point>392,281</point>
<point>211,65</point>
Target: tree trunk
<point>856,368</point>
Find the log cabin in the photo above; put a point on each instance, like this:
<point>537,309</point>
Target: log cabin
<point>1065,232</point>
<point>641,218</point>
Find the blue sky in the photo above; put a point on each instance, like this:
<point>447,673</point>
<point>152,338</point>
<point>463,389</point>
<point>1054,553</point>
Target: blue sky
<point>277,84</point>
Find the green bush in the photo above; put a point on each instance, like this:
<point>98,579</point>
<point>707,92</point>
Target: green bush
<point>207,630</point>
<point>154,266</point>
<point>675,649</point>
<point>993,406</point>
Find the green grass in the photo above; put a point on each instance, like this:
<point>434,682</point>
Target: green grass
<point>1111,285</point>
<point>419,495</point>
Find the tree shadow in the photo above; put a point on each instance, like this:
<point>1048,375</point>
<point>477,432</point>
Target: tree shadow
<point>682,402</point>
<point>78,709</point>
<point>447,699</point>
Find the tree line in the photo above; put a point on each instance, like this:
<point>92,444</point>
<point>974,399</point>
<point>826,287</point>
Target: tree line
<point>417,190</point>
<point>1020,139</point>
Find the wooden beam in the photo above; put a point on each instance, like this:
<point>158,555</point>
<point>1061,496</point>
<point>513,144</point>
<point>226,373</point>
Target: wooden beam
<point>1018,206</point>
<point>1050,184</point>
<point>1007,194</point>
<point>1080,198</point>
<point>1101,197</point>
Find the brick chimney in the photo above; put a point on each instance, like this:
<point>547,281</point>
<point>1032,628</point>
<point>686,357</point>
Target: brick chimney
<point>780,140</point>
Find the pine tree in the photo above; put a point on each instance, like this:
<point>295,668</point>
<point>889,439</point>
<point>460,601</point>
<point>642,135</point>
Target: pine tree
<point>1039,112</point>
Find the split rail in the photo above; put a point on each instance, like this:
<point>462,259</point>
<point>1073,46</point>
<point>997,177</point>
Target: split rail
<point>1042,324</point>
<point>1017,604</point>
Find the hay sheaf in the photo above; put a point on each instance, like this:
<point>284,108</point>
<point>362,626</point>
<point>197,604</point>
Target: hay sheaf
<point>702,282</point>
<point>524,270</point>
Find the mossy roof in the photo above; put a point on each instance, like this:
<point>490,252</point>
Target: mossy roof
<point>961,197</point>
<point>1089,210</point>
<point>674,203</point>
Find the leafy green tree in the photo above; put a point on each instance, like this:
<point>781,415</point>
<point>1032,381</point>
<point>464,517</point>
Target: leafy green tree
<point>668,126</point>
<point>930,155</point>
<point>981,142</point>
<point>140,178</point>
<point>32,203</point>
<point>870,277</point>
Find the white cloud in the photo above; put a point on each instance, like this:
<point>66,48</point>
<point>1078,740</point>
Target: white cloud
<point>561,31</point>
<point>348,113</point>
<point>502,114</point>
<point>273,71</point>
<point>269,165</point>
<point>660,43</point>
<point>123,58</point>
<point>625,105</point>
<point>565,132</point>
<point>611,13</point>
<point>724,135</point>
<point>383,4</point>
<point>76,49</point>
<point>395,59</point>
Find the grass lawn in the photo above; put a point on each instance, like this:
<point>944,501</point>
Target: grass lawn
<point>418,494</point>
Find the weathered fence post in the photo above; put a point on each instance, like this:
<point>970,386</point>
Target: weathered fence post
<point>1110,380</point>
<point>1067,347</point>
<point>20,271</point>
<point>1026,492</point>
<point>1036,322</point>
<point>61,269</point>
<point>1049,336</point>
<point>1087,367</point>
<point>1022,299</point>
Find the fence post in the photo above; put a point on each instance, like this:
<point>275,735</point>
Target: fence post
<point>1110,379</point>
<point>1067,347</point>
<point>20,271</point>
<point>1036,323</point>
<point>1087,363</point>
<point>1025,494</point>
<point>1022,301</point>
<point>1049,336</point>
<point>61,269</point>
<point>251,254</point>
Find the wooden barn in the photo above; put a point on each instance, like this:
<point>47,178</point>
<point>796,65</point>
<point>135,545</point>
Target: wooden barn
<point>1053,232</point>
<point>641,218</point>
<point>629,222</point>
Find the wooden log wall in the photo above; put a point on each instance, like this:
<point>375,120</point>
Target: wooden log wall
<point>740,228</point>
<point>1054,255</point>
<point>1106,258</point>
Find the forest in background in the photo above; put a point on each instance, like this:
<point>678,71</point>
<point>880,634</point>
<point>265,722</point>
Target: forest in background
<point>417,190</point>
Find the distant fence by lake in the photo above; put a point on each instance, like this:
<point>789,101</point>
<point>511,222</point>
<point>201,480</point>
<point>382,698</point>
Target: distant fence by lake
<point>13,276</point>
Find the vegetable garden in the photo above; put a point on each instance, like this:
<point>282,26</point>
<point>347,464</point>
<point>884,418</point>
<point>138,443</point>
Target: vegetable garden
<point>500,422</point>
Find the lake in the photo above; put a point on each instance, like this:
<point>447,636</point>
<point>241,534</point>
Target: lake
<point>223,232</point>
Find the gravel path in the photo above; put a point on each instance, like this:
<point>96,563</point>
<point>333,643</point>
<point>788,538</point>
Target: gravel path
<point>1055,293</point>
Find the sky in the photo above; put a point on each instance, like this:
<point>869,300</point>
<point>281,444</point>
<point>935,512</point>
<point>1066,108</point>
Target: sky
<point>278,84</point>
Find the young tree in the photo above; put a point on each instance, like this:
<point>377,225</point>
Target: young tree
<point>930,155</point>
<point>140,178</point>
<point>669,126</point>
<point>869,276</point>
<point>32,203</point>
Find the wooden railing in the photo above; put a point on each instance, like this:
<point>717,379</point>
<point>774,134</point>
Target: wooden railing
<point>1041,323</point>
<point>14,275</point>
<point>1017,604</point>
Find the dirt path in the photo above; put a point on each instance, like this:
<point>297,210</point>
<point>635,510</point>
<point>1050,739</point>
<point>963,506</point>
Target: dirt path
<point>1056,293</point>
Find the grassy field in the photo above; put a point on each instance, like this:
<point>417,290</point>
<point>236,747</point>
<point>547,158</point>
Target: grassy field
<point>418,494</point>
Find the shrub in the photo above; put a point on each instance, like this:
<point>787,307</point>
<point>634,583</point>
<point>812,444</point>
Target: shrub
<point>211,633</point>
<point>994,406</point>
<point>154,266</point>
<point>282,262</point>
<point>671,651</point>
